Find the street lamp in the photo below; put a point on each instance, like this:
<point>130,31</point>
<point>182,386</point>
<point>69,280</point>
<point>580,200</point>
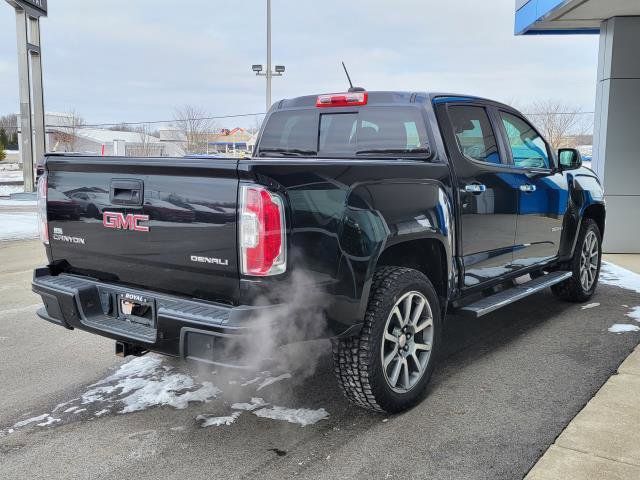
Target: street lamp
<point>268,73</point>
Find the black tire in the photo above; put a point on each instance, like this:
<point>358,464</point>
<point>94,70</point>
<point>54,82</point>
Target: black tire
<point>572,289</point>
<point>358,362</point>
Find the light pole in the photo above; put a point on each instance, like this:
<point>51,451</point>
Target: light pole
<point>268,74</point>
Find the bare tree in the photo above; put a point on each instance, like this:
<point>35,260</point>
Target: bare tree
<point>145,146</point>
<point>558,122</point>
<point>192,121</point>
<point>66,134</point>
<point>9,131</point>
<point>9,123</point>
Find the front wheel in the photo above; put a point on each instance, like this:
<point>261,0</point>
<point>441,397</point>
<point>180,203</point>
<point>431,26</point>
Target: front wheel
<point>585,265</point>
<point>387,367</point>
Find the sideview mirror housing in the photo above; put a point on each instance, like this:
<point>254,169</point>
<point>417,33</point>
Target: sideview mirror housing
<point>569,158</point>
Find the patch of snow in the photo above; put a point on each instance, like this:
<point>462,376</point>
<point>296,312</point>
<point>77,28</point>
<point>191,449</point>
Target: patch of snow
<point>256,402</point>
<point>590,305</point>
<point>18,226</point>
<point>143,382</point>
<point>17,203</point>
<point>249,382</point>
<point>213,421</point>
<point>301,416</point>
<point>48,421</point>
<point>11,175</point>
<point>64,404</point>
<point>611,274</point>
<point>635,313</point>
<point>140,383</point>
<point>271,380</point>
<point>6,190</point>
<point>623,327</point>
<point>166,392</point>
<point>28,421</point>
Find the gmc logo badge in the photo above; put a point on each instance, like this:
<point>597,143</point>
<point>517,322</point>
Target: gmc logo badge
<point>130,221</point>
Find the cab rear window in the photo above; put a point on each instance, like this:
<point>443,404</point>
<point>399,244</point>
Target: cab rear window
<point>366,131</point>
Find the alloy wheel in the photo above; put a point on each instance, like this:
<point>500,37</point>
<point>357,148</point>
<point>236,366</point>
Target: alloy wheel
<point>589,257</point>
<point>407,342</point>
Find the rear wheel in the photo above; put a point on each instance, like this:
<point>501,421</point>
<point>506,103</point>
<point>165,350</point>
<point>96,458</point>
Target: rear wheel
<point>585,265</point>
<point>387,367</point>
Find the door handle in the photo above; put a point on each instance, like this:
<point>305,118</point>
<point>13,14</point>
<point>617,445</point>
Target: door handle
<point>475,188</point>
<point>528,188</point>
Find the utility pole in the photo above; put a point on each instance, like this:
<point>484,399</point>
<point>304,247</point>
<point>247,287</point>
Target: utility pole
<point>32,148</point>
<point>268,74</point>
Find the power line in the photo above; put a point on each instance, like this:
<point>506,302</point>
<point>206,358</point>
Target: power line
<point>167,121</point>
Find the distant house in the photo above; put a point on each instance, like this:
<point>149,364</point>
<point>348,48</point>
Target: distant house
<point>227,140</point>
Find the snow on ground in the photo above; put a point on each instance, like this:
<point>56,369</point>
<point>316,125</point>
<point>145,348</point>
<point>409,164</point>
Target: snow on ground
<point>623,327</point>
<point>271,380</point>
<point>301,416</point>
<point>145,382</point>
<point>213,421</point>
<point>17,203</point>
<point>31,420</point>
<point>6,190</point>
<point>635,313</point>
<point>611,274</point>
<point>10,175</point>
<point>590,305</point>
<point>18,226</point>
<point>49,421</point>
<point>256,402</point>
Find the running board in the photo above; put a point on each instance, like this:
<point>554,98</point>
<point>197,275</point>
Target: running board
<point>518,292</point>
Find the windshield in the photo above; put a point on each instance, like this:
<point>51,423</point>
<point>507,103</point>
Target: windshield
<point>371,131</point>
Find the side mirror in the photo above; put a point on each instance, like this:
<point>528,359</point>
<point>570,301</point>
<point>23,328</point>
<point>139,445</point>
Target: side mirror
<point>569,158</point>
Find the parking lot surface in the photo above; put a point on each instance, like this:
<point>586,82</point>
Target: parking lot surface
<point>505,388</point>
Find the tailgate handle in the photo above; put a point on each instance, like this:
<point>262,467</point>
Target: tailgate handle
<point>126,192</point>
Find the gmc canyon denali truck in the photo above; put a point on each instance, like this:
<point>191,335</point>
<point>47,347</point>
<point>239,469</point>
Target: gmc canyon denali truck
<point>399,207</point>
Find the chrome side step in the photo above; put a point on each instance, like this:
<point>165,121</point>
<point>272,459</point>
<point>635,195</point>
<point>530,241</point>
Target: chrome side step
<point>518,292</point>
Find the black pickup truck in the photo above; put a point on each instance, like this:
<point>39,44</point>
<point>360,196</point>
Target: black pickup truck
<point>387,210</point>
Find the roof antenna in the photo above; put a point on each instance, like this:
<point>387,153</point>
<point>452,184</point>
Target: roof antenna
<point>351,87</point>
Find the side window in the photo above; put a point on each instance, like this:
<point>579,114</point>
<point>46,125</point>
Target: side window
<point>474,134</point>
<point>527,147</point>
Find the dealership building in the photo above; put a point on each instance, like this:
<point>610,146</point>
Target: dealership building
<point>616,149</point>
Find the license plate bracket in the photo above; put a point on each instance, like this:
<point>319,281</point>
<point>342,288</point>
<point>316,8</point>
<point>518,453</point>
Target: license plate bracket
<point>136,308</point>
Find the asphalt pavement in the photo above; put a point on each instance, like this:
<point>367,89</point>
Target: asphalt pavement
<point>505,388</point>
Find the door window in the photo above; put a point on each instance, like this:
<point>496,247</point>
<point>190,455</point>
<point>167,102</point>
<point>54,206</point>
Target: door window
<point>528,148</point>
<point>474,134</point>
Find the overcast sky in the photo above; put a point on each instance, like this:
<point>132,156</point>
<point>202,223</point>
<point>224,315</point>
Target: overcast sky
<point>121,60</point>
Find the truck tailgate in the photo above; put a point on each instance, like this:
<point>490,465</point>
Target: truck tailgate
<point>165,224</point>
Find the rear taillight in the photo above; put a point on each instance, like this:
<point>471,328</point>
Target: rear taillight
<point>348,99</point>
<point>43,226</point>
<point>262,232</point>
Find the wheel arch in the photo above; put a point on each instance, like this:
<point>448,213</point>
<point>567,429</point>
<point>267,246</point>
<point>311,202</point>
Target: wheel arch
<point>427,255</point>
<point>597,212</point>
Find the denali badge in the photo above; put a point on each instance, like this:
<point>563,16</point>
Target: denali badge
<point>217,261</point>
<point>120,221</point>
